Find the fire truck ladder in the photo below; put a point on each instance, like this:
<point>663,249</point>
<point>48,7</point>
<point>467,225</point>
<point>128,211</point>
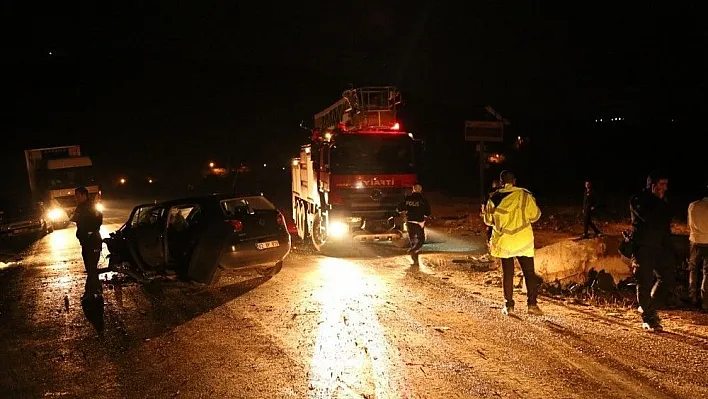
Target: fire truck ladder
<point>365,107</point>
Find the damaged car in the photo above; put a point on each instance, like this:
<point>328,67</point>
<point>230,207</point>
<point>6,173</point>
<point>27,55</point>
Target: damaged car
<point>201,237</point>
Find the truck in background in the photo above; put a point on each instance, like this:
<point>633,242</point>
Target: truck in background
<point>54,173</point>
<point>356,169</point>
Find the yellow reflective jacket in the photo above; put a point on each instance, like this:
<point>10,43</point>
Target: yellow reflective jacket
<point>510,211</point>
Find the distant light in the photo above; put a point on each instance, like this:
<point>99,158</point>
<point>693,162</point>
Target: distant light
<point>264,165</point>
<point>410,135</point>
<point>518,138</point>
<point>328,136</point>
<point>211,164</point>
<point>51,53</point>
<point>283,167</point>
<point>122,181</point>
<point>150,181</point>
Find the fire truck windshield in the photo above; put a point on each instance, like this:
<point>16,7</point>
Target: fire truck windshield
<point>372,153</point>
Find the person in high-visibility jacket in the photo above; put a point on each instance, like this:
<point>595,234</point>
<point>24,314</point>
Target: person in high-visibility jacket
<point>510,212</point>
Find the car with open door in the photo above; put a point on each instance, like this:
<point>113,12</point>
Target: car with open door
<point>204,236</point>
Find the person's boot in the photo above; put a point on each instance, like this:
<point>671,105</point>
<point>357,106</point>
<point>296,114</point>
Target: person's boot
<point>414,258</point>
<point>534,310</point>
<point>652,324</point>
<point>507,310</point>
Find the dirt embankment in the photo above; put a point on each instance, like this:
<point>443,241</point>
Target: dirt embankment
<point>562,259</point>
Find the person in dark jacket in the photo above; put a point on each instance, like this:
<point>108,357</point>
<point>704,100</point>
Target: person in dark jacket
<point>495,186</point>
<point>589,206</point>
<point>416,208</point>
<point>88,223</point>
<point>653,254</point>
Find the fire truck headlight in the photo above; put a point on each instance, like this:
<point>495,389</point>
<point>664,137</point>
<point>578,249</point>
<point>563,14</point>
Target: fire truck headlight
<point>99,207</point>
<point>55,214</point>
<point>337,229</point>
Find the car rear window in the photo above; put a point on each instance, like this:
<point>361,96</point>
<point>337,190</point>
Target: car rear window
<point>240,206</point>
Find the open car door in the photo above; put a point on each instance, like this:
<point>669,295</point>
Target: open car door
<point>147,232</point>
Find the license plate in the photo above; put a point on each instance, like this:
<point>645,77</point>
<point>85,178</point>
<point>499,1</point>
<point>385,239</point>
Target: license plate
<point>267,244</point>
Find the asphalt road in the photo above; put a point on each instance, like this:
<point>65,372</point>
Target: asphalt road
<point>361,325</point>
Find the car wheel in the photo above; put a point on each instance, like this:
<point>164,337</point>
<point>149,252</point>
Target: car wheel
<point>270,271</point>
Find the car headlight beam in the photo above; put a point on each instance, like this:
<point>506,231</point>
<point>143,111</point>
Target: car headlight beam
<point>55,214</point>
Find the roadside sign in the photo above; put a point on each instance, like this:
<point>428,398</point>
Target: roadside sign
<point>490,132</point>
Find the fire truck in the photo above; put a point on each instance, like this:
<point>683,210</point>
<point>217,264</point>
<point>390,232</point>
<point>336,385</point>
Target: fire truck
<point>356,169</point>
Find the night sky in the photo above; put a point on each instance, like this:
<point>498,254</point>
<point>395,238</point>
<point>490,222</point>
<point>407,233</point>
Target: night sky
<point>152,88</point>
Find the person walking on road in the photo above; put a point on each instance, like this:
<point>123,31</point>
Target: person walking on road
<point>698,258</point>
<point>495,186</point>
<point>88,223</point>
<point>510,212</point>
<point>589,206</point>
<point>416,207</point>
<point>653,254</point>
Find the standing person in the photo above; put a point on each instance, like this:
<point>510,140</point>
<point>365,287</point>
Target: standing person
<point>589,206</point>
<point>416,208</point>
<point>511,210</point>
<point>653,254</point>
<point>495,186</point>
<point>88,222</point>
<point>698,259</point>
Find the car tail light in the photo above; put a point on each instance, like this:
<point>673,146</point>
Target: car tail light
<point>237,224</point>
<point>281,219</point>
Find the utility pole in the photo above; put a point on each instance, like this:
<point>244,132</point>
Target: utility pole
<point>481,150</point>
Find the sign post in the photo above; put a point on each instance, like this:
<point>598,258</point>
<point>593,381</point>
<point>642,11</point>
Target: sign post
<point>483,132</point>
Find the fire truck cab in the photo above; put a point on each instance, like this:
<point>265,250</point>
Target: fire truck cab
<point>356,169</point>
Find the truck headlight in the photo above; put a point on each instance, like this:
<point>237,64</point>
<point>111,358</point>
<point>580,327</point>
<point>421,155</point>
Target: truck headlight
<point>337,229</point>
<point>55,214</point>
<point>99,207</point>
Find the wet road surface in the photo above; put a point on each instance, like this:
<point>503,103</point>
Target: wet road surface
<point>362,325</point>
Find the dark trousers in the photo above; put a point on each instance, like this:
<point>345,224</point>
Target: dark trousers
<point>490,229</point>
<point>588,224</point>
<point>91,248</point>
<point>416,235</point>
<point>698,277</point>
<point>527,267</point>
<point>653,260</point>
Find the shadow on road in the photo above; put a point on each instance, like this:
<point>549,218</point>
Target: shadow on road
<point>162,305</point>
<point>94,314</point>
<point>12,248</point>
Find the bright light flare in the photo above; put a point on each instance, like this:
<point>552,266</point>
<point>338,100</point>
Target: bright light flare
<point>55,214</point>
<point>99,207</point>
<point>337,229</point>
<point>396,126</point>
